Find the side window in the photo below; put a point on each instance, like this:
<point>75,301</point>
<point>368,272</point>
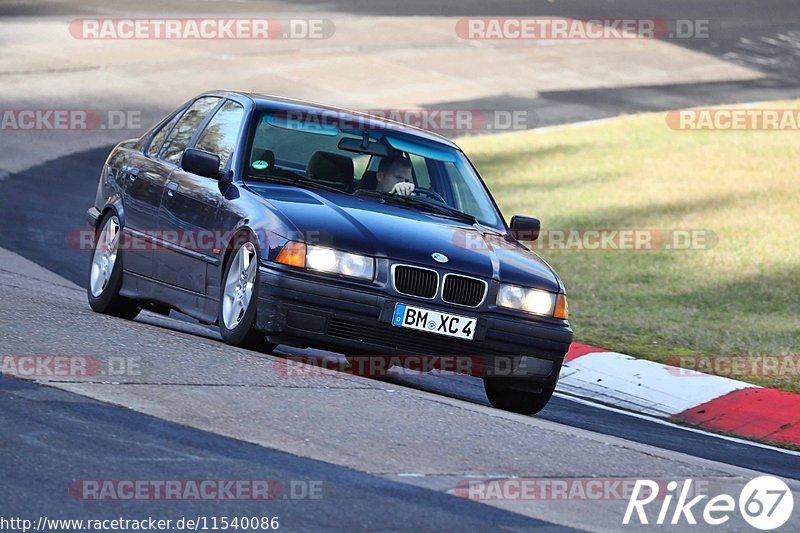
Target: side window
<point>222,132</point>
<point>185,128</point>
<point>158,139</point>
<point>420,166</point>
<point>465,197</point>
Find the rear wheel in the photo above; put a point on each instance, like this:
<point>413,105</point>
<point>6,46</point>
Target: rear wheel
<point>105,272</point>
<point>239,299</point>
<point>517,396</point>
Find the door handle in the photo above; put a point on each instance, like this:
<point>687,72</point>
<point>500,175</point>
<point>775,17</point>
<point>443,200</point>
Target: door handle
<point>172,186</point>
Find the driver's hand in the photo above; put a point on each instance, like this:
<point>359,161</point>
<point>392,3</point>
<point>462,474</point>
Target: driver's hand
<point>403,188</point>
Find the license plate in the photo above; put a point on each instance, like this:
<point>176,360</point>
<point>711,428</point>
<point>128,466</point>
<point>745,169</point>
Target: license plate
<point>408,316</point>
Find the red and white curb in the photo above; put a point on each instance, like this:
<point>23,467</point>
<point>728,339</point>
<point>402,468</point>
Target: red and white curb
<point>702,400</point>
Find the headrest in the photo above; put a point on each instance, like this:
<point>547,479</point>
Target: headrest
<point>328,166</point>
<point>263,164</point>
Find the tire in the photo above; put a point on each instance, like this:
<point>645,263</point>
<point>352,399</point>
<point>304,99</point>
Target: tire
<point>516,396</point>
<point>239,299</point>
<point>105,272</point>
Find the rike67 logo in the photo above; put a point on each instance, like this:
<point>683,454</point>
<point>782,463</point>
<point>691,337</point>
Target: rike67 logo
<point>765,503</point>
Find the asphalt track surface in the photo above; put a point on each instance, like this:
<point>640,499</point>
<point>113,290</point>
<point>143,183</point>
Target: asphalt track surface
<point>759,34</point>
<point>762,35</point>
<point>59,437</point>
<point>738,29</point>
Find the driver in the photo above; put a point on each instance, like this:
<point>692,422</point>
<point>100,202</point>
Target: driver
<point>394,176</point>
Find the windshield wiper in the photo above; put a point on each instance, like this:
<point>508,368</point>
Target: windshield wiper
<point>299,181</point>
<point>413,202</point>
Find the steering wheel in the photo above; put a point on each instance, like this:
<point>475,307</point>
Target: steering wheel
<point>430,194</point>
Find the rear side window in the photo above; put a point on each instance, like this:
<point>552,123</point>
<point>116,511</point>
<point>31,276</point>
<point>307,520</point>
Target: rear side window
<point>158,139</point>
<point>222,132</point>
<point>185,129</point>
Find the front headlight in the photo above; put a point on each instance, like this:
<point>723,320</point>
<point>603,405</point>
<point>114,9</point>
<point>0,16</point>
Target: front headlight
<point>337,262</point>
<point>534,301</point>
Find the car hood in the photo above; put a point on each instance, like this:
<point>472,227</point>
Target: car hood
<point>366,226</point>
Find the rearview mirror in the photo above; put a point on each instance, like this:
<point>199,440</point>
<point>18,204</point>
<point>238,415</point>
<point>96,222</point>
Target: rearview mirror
<point>357,145</point>
<point>525,228</point>
<point>201,163</point>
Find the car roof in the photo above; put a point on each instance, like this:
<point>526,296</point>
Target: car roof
<point>281,103</point>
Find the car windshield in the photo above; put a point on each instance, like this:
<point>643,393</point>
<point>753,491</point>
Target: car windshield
<point>347,158</point>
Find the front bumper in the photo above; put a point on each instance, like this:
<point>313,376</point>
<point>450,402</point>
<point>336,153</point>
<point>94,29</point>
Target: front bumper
<point>304,312</point>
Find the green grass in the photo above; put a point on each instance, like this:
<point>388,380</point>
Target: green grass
<point>741,297</point>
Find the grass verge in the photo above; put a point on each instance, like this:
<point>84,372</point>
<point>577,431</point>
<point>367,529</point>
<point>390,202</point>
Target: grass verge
<point>738,295</point>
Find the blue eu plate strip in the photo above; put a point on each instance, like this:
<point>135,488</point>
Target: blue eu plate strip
<point>399,312</point>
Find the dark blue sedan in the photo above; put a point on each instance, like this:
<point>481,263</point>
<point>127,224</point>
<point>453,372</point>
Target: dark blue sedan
<point>285,222</point>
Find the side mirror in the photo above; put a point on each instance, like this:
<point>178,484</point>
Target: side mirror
<point>201,163</point>
<point>525,228</point>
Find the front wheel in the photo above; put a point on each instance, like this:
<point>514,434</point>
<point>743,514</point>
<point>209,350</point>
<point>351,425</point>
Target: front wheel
<point>517,396</point>
<point>239,300</point>
<point>105,272</point>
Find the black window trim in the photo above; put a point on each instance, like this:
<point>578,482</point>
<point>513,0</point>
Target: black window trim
<point>193,138</point>
<point>202,128</point>
<point>150,136</point>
